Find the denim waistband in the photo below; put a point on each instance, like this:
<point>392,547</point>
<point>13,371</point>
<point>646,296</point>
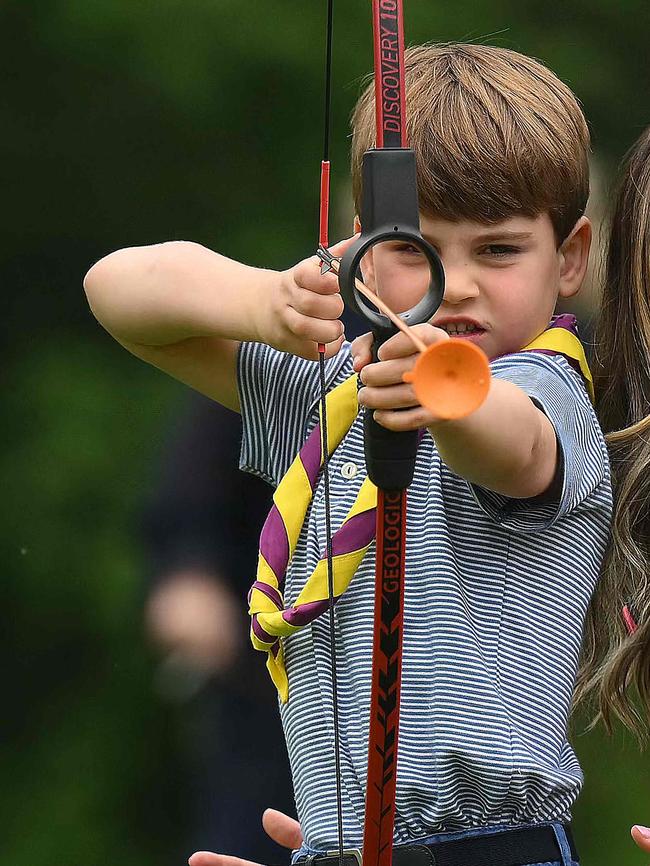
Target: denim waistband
<point>557,827</point>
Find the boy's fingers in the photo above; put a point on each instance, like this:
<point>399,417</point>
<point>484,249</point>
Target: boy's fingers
<point>307,275</point>
<point>398,346</point>
<point>401,345</point>
<point>404,419</point>
<point>309,303</point>
<point>361,351</point>
<point>388,397</point>
<point>313,330</point>
<point>341,246</point>
<point>309,350</point>
<point>282,829</point>
<point>386,372</point>
<point>332,349</point>
<point>362,344</point>
<point>207,858</point>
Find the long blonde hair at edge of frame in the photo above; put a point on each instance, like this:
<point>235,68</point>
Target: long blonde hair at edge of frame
<point>615,669</point>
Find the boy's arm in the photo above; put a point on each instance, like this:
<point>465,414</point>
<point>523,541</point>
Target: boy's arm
<point>508,445</point>
<point>185,309</point>
<point>166,304</point>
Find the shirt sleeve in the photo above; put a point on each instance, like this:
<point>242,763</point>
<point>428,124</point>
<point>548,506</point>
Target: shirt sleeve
<point>583,478</point>
<point>278,395</point>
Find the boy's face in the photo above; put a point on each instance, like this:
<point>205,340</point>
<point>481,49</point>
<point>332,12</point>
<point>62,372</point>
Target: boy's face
<point>502,280</point>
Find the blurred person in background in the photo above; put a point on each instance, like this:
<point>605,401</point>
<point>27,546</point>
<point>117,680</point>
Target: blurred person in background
<point>624,408</point>
<point>201,527</point>
<point>620,677</point>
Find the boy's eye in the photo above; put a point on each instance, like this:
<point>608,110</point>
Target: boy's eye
<point>501,251</point>
<point>407,248</point>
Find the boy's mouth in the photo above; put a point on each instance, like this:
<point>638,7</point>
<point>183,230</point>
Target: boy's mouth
<point>465,328</point>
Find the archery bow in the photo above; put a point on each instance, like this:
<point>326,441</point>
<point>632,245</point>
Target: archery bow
<point>389,212</point>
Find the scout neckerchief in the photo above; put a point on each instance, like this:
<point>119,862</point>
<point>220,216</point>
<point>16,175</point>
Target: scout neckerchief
<point>271,620</point>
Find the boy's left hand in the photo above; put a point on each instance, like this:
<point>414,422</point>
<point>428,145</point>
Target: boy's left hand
<point>394,401</point>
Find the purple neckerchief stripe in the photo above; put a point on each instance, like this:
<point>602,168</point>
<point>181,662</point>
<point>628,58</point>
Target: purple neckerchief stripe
<point>270,592</point>
<point>567,321</point>
<point>305,613</point>
<point>274,540</point>
<point>310,455</point>
<point>358,532</point>
<point>274,544</point>
<point>260,633</point>
<point>355,534</point>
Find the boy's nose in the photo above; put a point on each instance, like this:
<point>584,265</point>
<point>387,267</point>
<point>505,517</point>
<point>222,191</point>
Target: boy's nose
<point>459,285</point>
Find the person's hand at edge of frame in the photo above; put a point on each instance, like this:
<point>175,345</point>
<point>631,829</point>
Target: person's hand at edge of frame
<point>278,826</point>
<point>641,836</point>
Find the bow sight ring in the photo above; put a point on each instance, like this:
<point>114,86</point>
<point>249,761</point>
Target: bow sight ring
<point>390,212</point>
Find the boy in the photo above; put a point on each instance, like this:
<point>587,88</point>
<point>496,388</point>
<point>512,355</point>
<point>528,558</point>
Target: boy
<point>502,500</point>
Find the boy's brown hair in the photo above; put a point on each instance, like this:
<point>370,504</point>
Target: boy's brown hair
<point>495,134</point>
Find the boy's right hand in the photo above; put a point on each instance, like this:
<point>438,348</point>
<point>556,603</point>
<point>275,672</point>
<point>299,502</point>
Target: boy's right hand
<point>278,826</point>
<point>306,309</point>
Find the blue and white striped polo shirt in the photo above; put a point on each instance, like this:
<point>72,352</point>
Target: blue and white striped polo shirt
<point>495,596</point>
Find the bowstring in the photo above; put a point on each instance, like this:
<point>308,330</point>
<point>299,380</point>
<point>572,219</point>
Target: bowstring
<point>323,241</point>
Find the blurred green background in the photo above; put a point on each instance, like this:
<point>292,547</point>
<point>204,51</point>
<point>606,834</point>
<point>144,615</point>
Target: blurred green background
<point>125,123</point>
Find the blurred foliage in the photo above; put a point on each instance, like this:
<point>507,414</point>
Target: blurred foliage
<point>130,122</point>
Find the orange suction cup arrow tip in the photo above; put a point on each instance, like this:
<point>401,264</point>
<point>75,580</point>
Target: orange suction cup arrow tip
<point>451,379</point>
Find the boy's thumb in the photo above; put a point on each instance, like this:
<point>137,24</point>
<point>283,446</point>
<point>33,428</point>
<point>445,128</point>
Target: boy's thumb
<point>282,829</point>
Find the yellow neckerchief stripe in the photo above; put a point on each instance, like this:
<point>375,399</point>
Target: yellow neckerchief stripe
<point>343,398</point>
<point>294,493</point>
<point>564,342</point>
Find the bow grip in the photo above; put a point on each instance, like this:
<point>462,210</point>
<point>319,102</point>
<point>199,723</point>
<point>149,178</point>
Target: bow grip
<point>390,455</point>
<point>389,212</point>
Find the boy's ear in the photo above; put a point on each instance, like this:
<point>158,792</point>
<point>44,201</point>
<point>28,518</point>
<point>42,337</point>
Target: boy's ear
<point>574,258</point>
